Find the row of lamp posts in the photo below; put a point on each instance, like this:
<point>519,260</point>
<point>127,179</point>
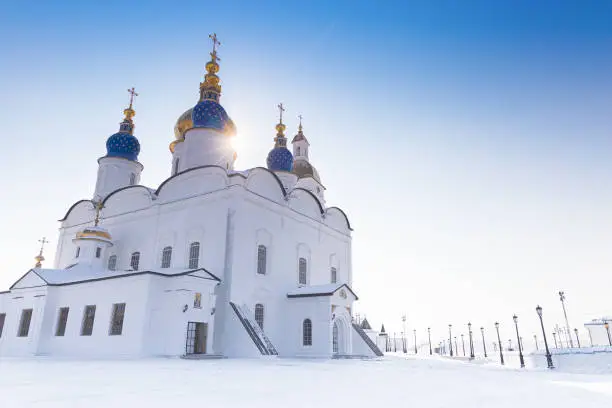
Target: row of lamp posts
<point>501,353</point>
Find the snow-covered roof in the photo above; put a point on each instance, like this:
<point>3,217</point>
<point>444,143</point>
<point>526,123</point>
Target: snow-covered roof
<point>83,273</point>
<point>319,290</point>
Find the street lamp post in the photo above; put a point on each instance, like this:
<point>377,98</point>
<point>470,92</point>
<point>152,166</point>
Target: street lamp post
<point>471,341</point>
<point>577,338</point>
<point>515,318</point>
<point>456,348</point>
<point>484,344</point>
<point>404,333</point>
<point>450,339</point>
<point>429,337</point>
<point>415,342</point>
<point>501,353</point>
<point>535,340</point>
<point>548,356</point>
<point>569,332</point>
<point>463,344</point>
<point>607,326</point>
<point>555,338</point>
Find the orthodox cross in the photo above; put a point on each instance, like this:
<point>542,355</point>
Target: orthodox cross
<point>98,206</point>
<point>300,117</point>
<point>132,93</point>
<point>281,109</point>
<point>42,241</point>
<point>216,42</point>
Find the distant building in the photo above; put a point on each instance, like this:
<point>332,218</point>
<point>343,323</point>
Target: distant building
<point>598,334</point>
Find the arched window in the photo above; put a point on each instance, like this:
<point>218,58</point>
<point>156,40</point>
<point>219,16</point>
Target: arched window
<point>259,314</point>
<point>135,260</point>
<point>302,269</point>
<point>78,252</point>
<point>307,332</point>
<point>98,252</point>
<point>334,274</point>
<point>175,166</point>
<point>298,151</point>
<point>132,179</point>
<point>262,252</point>
<point>194,255</point>
<point>112,262</point>
<point>166,257</point>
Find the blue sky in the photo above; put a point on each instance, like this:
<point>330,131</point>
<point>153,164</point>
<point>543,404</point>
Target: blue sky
<point>469,141</point>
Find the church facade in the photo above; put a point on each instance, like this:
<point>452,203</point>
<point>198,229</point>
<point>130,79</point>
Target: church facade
<point>214,261</point>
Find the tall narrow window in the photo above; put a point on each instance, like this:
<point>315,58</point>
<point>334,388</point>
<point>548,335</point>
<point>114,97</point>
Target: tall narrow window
<point>262,253</point>
<point>175,166</point>
<point>116,326</point>
<point>135,260</point>
<point>307,332</point>
<point>88,320</point>
<point>194,255</point>
<point>24,323</point>
<point>334,274</point>
<point>132,179</point>
<point>302,266</point>
<point>259,314</point>
<point>62,319</point>
<point>98,252</point>
<point>112,262</point>
<point>298,151</point>
<point>78,252</point>
<point>2,319</point>
<point>166,257</point>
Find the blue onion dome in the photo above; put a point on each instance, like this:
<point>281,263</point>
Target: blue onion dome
<point>208,113</point>
<point>280,158</point>
<point>123,143</point>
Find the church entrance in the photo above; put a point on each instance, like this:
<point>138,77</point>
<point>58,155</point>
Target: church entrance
<point>197,334</point>
<point>337,338</point>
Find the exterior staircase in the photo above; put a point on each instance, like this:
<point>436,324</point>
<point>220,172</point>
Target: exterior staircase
<point>367,340</point>
<point>261,341</point>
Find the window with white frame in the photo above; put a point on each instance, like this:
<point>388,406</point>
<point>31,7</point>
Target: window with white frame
<point>175,166</point>
<point>334,275</point>
<point>166,257</point>
<point>259,315</point>
<point>132,179</point>
<point>194,255</point>
<point>116,325</point>
<point>135,260</point>
<point>307,332</point>
<point>302,270</point>
<point>262,254</point>
<point>98,252</point>
<point>62,319</point>
<point>2,319</point>
<point>89,314</point>
<point>78,252</point>
<point>24,323</point>
<point>112,263</point>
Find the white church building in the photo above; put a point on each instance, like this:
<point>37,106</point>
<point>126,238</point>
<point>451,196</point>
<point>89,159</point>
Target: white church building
<point>213,262</point>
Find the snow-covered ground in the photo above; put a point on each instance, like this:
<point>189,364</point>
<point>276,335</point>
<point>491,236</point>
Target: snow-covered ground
<point>392,381</point>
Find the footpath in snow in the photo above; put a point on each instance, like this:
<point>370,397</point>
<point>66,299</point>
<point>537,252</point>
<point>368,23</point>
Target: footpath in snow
<point>392,381</point>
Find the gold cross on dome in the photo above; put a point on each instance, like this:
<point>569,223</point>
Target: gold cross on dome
<point>42,241</point>
<point>98,206</point>
<point>216,42</point>
<point>132,93</point>
<point>281,109</point>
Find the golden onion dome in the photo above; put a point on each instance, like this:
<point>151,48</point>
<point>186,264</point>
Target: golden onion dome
<point>95,233</point>
<point>183,124</point>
